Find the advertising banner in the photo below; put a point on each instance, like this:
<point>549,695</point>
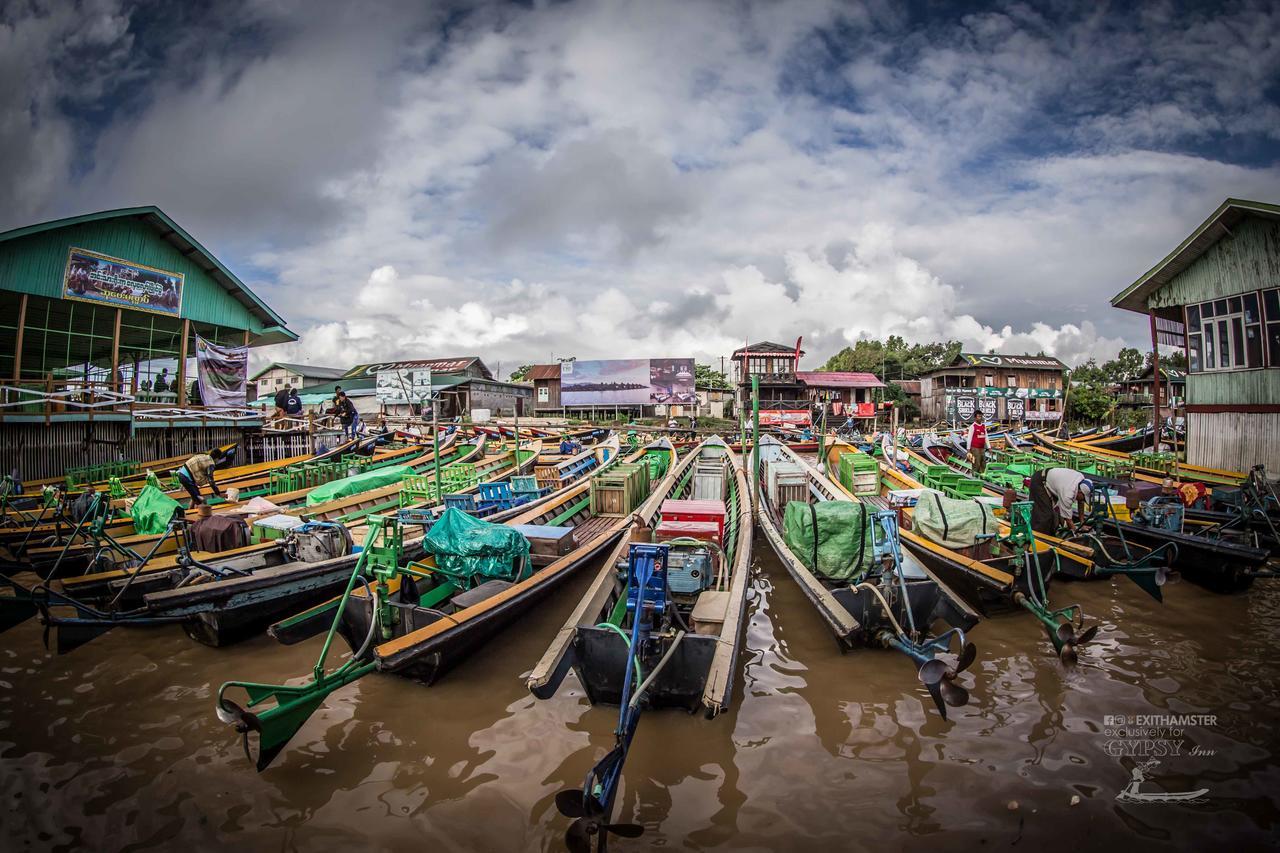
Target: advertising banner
<point>777,417</point>
<point>91,277</point>
<point>1014,408</point>
<point>404,385</point>
<point>1043,416</point>
<point>987,405</point>
<point>1020,393</point>
<point>221,373</point>
<point>965,407</point>
<point>627,382</point>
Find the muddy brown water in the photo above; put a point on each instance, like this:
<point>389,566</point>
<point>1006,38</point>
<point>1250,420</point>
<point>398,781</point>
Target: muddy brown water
<point>116,746</point>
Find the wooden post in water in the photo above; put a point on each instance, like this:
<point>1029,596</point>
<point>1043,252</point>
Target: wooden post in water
<point>435,446</point>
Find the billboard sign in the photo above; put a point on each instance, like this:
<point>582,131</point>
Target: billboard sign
<point>403,386</point>
<point>788,417</point>
<point>628,382</point>
<point>1015,408</point>
<point>91,277</point>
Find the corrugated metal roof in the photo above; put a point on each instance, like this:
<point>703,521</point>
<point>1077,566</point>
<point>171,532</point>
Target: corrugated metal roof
<point>838,379</point>
<point>544,371</point>
<point>188,250</point>
<point>766,348</point>
<point>910,386</point>
<point>1218,225</point>
<point>306,371</point>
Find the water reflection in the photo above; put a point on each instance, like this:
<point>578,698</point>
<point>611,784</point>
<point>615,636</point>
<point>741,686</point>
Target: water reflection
<point>116,745</point>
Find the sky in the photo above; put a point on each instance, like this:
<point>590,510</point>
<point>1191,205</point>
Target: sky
<point>529,181</point>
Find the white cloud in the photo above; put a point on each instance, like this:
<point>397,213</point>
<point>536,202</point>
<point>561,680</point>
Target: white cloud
<point>612,178</point>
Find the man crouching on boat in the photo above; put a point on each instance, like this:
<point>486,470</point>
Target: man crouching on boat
<point>197,470</point>
<point>1057,496</point>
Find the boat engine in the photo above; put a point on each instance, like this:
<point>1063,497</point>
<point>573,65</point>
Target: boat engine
<point>316,541</point>
<point>690,569</point>
<point>1163,513</point>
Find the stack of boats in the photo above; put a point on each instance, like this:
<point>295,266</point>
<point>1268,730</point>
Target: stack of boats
<point>414,554</point>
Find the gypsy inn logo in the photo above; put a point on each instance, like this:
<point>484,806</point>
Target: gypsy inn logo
<point>1146,738</point>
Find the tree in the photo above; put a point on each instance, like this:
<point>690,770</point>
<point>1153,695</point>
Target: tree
<point>1126,365</point>
<point>1089,402</point>
<point>520,373</point>
<point>704,376</point>
<point>893,359</point>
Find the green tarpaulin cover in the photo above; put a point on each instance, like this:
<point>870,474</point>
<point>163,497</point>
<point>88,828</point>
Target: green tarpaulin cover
<point>152,510</point>
<point>949,522</point>
<point>359,483</point>
<point>844,543</point>
<point>467,546</point>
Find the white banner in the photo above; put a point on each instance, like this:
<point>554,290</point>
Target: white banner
<point>404,385</point>
<point>222,373</point>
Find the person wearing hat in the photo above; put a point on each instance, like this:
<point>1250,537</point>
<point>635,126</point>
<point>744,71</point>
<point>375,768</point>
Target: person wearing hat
<point>1058,496</point>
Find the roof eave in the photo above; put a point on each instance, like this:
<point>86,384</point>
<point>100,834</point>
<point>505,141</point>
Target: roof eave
<point>1135,296</point>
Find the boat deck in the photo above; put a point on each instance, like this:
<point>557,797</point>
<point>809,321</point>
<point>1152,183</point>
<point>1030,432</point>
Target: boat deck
<point>592,527</point>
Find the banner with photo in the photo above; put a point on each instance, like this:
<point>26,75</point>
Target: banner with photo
<point>222,373</point>
<point>627,382</point>
<point>91,277</point>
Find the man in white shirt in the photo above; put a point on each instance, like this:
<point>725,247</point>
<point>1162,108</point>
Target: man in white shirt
<point>1057,495</point>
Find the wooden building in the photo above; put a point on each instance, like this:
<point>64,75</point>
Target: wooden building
<point>1217,296</point>
<point>94,309</point>
<point>776,366</point>
<point>842,394</point>
<point>1006,388</point>
<point>546,387</point>
<point>463,384</point>
<point>1138,393</point>
<point>278,375</point>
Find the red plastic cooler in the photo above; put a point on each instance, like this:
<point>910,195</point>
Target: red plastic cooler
<point>713,511</point>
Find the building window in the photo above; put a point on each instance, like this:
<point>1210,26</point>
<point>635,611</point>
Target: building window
<point>1012,380</point>
<point>1225,334</point>
<point>991,380</point>
<point>1271,302</point>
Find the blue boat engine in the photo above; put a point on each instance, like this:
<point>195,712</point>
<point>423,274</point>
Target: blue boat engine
<point>690,569</point>
<point>1163,513</point>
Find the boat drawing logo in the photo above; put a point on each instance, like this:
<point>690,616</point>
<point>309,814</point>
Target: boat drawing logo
<point>1132,794</point>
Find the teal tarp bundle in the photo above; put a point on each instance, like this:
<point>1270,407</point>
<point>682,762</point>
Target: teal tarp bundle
<point>467,546</point>
<point>949,522</point>
<point>357,484</point>
<point>152,510</point>
<point>843,544</point>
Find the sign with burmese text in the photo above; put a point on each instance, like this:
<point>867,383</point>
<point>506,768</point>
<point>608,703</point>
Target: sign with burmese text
<point>91,277</point>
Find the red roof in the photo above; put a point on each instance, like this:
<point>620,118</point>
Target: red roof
<point>544,371</point>
<point>838,379</point>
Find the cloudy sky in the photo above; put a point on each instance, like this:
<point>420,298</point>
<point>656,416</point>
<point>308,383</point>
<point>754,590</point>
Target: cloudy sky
<point>647,178</point>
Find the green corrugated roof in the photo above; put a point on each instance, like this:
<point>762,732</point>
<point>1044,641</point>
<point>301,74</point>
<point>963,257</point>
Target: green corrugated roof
<point>272,327</point>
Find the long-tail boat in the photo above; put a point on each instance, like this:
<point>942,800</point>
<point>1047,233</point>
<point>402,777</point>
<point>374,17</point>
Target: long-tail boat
<point>883,599</point>
<point>997,574</point>
<point>419,616</point>
<point>113,540</point>
<point>661,625</point>
<point>1093,555</point>
<point>220,599</point>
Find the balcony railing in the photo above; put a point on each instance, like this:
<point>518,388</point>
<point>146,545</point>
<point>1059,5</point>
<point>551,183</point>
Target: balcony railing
<point>56,397</point>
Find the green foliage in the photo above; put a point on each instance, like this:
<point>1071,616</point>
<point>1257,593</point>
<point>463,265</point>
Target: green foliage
<point>1126,365</point>
<point>1089,402</point>
<point>704,376</point>
<point>520,373</point>
<point>894,358</point>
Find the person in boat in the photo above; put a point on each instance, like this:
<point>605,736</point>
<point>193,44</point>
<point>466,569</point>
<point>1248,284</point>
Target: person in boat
<point>198,470</point>
<point>977,442</point>
<point>1058,497</point>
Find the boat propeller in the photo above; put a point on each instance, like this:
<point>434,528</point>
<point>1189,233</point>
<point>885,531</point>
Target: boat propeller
<point>589,812</point>
<point>934,673</point>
